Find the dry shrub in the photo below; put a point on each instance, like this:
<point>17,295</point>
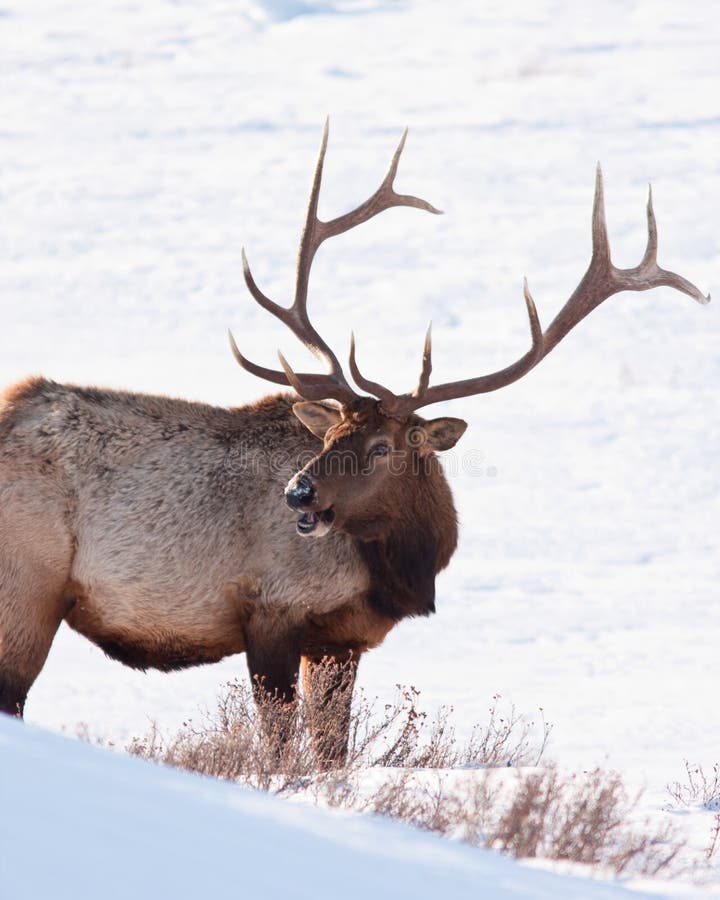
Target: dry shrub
<point>463,811</point>
<point>544,814</point>
<point>269,746</point>
<point>407,765</point>
<point>701,789</point>
<point>582,819</point>
<point>714,844</point>
<point>263,745</point>
<point>406,737</point>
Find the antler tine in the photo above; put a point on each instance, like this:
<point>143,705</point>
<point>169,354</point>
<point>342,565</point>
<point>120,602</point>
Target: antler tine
<point>649,268</point>
<point>249,366</point>
<point>426,365</point>
<point>601,281</point>
<point>315,231</point>
<point>535,327</point>
<point>425,395</point>
<point>309,241</point>
<point>309,337</point>
<point>650,257</point>
<point>315,387</point>
<point>384,198</point>
<point>270,374</point>
<point>278,311</point>
<point>295,316</point>
<point>372,387</point>
<point>600,241</point>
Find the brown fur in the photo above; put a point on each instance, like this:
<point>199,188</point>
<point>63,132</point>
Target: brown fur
<point>157,528</point>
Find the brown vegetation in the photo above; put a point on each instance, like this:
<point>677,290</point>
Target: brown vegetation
<point>410,766</point>
<point>701,789</point>
<point>286,753</point>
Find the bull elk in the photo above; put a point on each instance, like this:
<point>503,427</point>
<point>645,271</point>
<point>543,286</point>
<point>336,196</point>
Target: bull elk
<point>155,527</point>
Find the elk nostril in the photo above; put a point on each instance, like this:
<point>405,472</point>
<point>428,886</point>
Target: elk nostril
<point>301,493</point>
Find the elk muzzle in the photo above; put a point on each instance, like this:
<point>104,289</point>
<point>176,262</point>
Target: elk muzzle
<point>300,492</point>
<point>301,495</point>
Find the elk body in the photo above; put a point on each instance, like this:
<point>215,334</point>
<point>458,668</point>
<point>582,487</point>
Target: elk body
<point>156,527</point>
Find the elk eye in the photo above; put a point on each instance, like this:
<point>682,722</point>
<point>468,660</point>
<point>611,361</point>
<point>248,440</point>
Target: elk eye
<point>381,449</point>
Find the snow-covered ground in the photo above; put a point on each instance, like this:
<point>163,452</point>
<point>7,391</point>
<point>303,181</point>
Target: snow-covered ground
<point>141,144</point>
<point>89,824</point>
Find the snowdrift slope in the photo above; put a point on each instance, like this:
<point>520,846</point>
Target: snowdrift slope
<point>77,822</point>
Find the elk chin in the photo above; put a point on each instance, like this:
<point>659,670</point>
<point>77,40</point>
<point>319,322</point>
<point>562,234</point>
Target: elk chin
<point>315,524</point>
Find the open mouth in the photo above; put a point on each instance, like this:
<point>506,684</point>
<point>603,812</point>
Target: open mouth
<point>315,522</point>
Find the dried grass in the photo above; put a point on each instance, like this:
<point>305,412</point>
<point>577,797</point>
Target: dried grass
<point>582,819</point>
<point>271,747</point>
<point>699,789</point>
<point>703,790</point>
<point>714,844</point>
<point>536,813</point>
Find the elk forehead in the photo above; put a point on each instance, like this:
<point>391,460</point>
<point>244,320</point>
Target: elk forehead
<point>364,417</point>
<point>359,421</point>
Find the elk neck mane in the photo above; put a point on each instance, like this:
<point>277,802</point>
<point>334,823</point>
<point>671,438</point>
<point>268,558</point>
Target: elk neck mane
<point>420,537</point>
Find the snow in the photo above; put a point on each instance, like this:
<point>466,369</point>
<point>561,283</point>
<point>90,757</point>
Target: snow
<point>143,144</point>
<point>88,823</point>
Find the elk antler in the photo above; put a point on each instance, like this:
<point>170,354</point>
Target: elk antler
<point>333,385</point>
<point>601,281</point>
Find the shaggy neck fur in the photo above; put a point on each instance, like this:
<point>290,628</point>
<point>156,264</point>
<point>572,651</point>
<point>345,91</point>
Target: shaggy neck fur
<point>420,536</point>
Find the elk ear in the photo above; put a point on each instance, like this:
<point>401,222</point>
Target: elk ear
<point>317,417</point>
<point>442,434</point>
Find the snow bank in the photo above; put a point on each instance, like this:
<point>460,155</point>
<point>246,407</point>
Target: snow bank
<point>78,822</point>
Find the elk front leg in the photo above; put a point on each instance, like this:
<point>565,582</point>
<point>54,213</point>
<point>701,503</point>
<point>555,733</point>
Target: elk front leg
<point>273,658</point>
<point>328,683</point>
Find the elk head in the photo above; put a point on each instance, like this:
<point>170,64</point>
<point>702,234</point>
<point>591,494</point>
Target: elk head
<point>376,447</point>
<point>368,467</point>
